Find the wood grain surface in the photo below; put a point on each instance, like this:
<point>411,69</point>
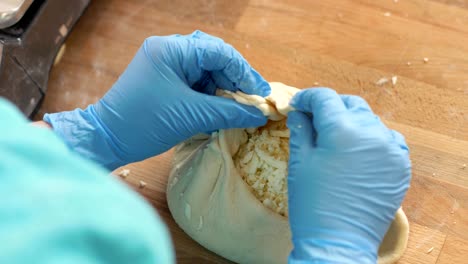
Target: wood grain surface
<point>344,44</point>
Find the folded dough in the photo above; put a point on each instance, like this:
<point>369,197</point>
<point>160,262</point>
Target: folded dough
<point>275,106</point>
<point>212,194</point>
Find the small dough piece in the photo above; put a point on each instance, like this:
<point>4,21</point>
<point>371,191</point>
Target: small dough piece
<point>275,106</point>
<point>280,97</point>
<point>60,54</point>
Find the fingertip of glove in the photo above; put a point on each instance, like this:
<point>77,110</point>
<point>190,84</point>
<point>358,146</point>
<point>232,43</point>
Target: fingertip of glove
<point>246,119</point>
<point>262,90</point>
<point>297,101</point>
<point>261,85</point>
<point>236,115</point>
<point>198,34</point>
<point>296,120</point>
<point>254,83</point>
<point>292,119</point>
<point>255,117</point>
<point>302,131</point>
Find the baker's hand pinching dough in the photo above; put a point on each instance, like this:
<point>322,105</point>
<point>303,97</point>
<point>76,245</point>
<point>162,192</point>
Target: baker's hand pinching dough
<point>348,174</point>
<point>164,97</point>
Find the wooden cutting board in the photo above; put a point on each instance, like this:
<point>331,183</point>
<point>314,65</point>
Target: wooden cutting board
<point>348,45</point>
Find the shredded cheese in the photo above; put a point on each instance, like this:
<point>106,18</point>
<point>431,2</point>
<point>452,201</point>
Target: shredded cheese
<point>262,162</point>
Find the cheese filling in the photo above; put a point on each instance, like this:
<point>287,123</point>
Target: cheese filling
<point>262,161</point>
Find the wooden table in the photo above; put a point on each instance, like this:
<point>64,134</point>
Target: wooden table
<point>345,44</point>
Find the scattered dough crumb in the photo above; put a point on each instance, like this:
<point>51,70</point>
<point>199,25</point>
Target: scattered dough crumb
<point>387,14</point>
<point>395,1</point>
<point>188,211</point>
<point>426,60</point>
<point>382,81</point>
<point>408,63</point>
<point>430,250</point>
<point>316,83</point>
<point>142,184</point>
<point>59,55</point>
<point>124,173</point>
<point>464,166</point>
<point>200,223</point>
<point>434,174</point>
<point>173,182</point>
<point>394,80</point>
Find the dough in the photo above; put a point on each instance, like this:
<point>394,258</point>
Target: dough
<point>211,202</point>
<point>396,239</point>
<point>275,106</point>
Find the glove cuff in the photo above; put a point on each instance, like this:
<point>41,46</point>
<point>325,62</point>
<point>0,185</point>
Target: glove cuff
<point>83,133</point>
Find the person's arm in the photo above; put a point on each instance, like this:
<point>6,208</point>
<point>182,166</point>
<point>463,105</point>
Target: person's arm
<point>348,175</point>
<point>56,207</point>
<point>165,96</point>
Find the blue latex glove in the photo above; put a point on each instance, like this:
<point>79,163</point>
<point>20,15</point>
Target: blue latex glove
<point>164,97</point>
<point>348,175</point>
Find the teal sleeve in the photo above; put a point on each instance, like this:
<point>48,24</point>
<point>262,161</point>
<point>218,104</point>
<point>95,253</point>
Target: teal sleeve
<point>57,208</point>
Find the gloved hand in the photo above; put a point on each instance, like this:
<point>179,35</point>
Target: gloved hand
<point>348,175</point>
<point>164,97</point>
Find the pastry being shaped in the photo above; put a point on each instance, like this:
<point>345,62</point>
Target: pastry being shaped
<point>275,106</point>
<point>228,191</point>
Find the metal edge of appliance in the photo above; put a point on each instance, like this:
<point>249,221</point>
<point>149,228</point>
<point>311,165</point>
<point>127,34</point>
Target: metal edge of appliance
<point>26,58</point>
<point>13,11</point>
